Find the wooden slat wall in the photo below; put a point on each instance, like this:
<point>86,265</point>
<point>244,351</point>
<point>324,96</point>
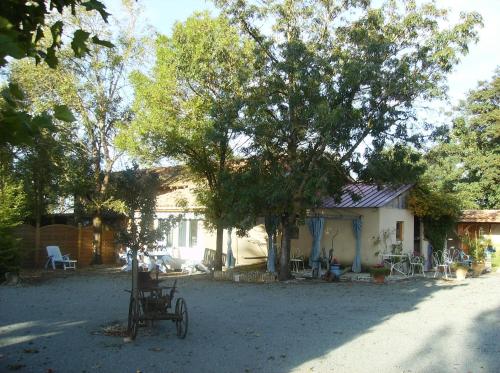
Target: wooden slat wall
<point>75,241</point>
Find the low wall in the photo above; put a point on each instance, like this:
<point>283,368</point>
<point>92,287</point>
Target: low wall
<point>75,241</point>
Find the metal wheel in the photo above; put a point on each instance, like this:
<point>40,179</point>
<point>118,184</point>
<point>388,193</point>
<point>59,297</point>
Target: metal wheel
<point>133,318</point>
<point>181,321</point>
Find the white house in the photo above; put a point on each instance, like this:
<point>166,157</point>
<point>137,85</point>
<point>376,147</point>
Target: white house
<point>382,211</point>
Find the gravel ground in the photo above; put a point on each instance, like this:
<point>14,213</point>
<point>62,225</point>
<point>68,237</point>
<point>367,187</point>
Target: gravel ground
<point>421,325</point>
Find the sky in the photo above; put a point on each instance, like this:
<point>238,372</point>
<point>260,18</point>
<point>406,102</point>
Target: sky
<point>478,65</point>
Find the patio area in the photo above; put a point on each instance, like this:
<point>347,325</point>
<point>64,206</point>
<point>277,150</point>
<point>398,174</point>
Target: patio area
<point>422,325</point>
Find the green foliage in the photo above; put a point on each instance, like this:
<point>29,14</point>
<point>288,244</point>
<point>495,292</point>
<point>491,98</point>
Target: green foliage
<point>26,29</point>
<point>395,165</point>
<point>331,75</point>
<point>495,260</point>
<point>12,201</point>
<point>323,86</point>
<point>12,209</point>
<point>379,271</point>
<point>29,29</point>
<point>188,109</point>
<point>455,265</point>
<point>137,190</point>
<point>477,244</point>
<point>10,258</point>
<point>438,210</point>
<point>466,162</point>
<point>20,127</point>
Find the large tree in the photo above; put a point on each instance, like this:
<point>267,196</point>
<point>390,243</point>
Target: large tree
<point>466,162</point>
<point>94,86</point>
<point>188,109</point>
<point>333,74</point>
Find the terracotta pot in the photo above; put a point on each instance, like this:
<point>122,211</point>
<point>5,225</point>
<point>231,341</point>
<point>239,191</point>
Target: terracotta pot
<point>378,279</point>
<point>478,268</point>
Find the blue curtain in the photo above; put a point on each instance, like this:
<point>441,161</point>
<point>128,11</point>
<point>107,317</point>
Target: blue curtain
<point>356,227</point>
<point>316,228</point>
<point>230,259</point>
<point>428,263</point>
<point>271,223</point>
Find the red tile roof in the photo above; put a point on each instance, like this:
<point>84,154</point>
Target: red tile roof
<point>480,216</point>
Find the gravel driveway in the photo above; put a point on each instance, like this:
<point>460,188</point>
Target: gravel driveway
<point>422,325</point>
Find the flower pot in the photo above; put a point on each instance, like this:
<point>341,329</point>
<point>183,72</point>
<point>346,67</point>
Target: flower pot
<point>378,279</point>
<point>478,268</point>
<point>460,273</point>
<point>335,269</point>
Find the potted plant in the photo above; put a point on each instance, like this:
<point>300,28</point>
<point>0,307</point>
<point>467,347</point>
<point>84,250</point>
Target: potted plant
<point>477,245</point>
<point>379,272</point>
<point>460,271</point>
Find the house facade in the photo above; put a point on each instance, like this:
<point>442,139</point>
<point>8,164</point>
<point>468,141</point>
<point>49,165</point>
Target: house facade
<point>384,218</point>
<point>385,223</point>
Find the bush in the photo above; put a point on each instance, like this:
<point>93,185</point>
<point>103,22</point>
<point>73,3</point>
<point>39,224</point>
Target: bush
<point>379,270</point>
<point>10,259</point>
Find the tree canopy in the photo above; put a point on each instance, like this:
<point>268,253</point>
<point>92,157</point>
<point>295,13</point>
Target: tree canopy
<point>466,162</point>
<point>34,29</point>
<point>331,75</point>
<point>188,109</point>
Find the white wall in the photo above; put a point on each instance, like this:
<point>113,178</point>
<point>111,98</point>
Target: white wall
<point>337,233</point>
<point>254,244</point>
<point>388,219</point>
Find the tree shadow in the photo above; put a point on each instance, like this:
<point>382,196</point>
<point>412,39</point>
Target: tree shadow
<point>234,327</point>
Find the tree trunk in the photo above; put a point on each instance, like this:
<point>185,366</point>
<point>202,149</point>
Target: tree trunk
<point>97,241</point>
<point>218,248</point>
<point>37,242</point>
<point>287,223</point>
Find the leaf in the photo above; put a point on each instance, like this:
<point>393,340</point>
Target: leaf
<point>104,43</point>
<point>79,43</point>
<point>62,112</point>
<point>16,91</point>
<point>56,31</point>
<point>50,58</point>
<point>10,47</point>
<point>98,6</point>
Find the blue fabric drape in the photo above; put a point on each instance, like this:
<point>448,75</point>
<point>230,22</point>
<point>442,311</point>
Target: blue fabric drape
<point>315,226</point>
<point>356,227</point>
<point>428,262</point>
<point>230,259</point>
<point>271,223</point>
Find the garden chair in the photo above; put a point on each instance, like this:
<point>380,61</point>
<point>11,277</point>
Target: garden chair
<point>415,262</point>
<point>464,258</point>
<point>438,264</point>
<point>54,257</point>
<point>297,261</point>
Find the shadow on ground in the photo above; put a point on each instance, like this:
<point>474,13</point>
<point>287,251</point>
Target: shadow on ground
<point>413,326</point>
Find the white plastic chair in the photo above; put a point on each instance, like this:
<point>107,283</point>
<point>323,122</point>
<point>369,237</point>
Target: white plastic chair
<point>54,256</point>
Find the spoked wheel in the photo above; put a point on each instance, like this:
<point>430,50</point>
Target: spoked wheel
<point>182,318</point>
<point>133,318</point>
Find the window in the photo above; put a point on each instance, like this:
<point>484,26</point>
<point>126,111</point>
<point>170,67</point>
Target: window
<point>166,231</point>
<point>193,233</point>
<point>399,231</point>
<point>182,233</point>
